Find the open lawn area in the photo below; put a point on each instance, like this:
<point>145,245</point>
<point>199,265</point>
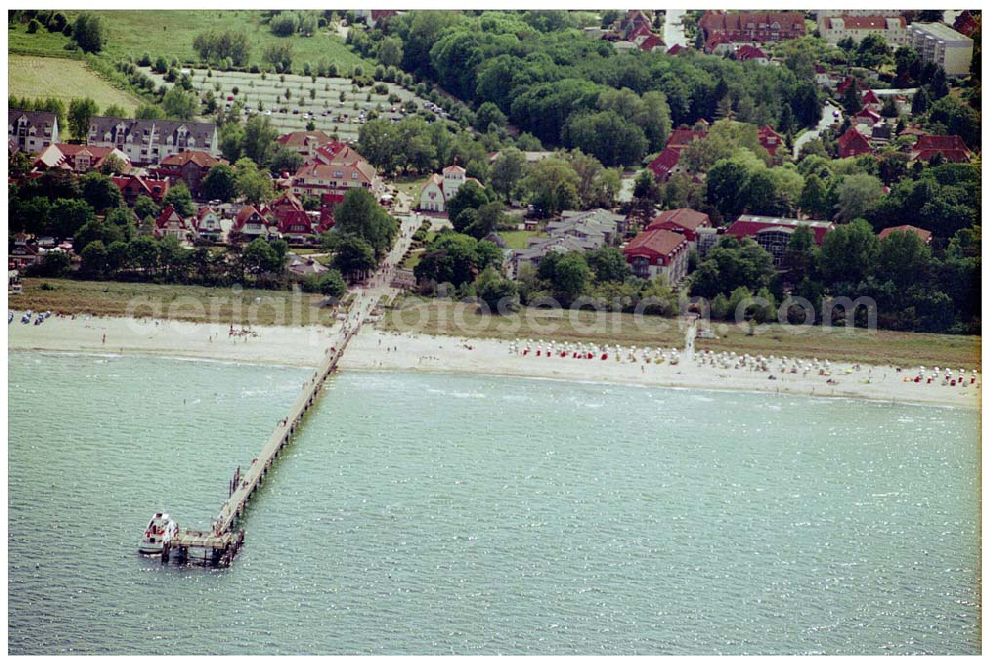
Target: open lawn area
<point>413,259</point>
<point>189,303</point>
<point>518,240</point>
<point>410,185</point>
<point>32,76</point>
<point>171,33</point>
<point>42,43</point>
<point>446,317</point>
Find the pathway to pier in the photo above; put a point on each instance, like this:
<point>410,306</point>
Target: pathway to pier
<point>220,544</point>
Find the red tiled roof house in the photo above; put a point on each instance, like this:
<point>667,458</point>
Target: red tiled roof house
<point>134,186</point>
<point>684,221</point>
<point>851,143</point>
<point>751,53</point>
<point>652,43</point>
<point>966,23</point>
<point>658,252</point>
<point>286,202</point>
<point>951,147</point>
<point>866,116</point>
<point>869,97</point>
<point>296,226</point>
<point>682,136</point>
<point>171,223</point>
<point>304,143</point>
<point>336,152</point>
<point>770,140</point>
<point>249,224</point>
<point>922,234</point>
<point>664,164</point>
<point>208,224</point>
<point>317,179</point>
<point>749,26</point>
<point>78,158</point>
<point>189,166</point>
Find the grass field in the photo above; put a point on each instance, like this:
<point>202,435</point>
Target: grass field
<point>410,185</point>
<point>416,253</point>
<point>518,240</point>
<point>170,33</point>
<point>43,42</point>
<point>188,303</point>
<point>445,317</point>
<point>32,76</point>
<point>411,261</point>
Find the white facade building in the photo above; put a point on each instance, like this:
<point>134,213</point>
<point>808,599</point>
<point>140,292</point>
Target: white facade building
<point>891,28</point>
<point>32,131</point>
<point>438,190</point>
<point>937,43</point>
<point>824,13</point>
<point>149,141</point>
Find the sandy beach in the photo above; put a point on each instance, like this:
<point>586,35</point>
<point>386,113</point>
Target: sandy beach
<point>377,350</point>
<point>284,345</point>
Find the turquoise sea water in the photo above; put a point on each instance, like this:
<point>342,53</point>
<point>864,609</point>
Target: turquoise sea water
<point>424,513</point>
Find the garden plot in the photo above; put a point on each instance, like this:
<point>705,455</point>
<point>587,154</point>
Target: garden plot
<point>334,105</point>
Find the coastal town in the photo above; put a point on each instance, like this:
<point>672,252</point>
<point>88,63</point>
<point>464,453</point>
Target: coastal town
<point>857,206</point>
<point>712,266</point>
<point>859,176</point>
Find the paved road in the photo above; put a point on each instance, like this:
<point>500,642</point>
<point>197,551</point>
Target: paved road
<point>826,121</point>
<point>673,29</point>
<point>627,189</point>
<point>886,92</point>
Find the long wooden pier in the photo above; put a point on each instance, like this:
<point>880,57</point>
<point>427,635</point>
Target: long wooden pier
<point>219,545</point>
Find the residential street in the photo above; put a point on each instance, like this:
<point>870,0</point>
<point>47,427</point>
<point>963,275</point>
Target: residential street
<point>673,29</point>
<point>826,121</point>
